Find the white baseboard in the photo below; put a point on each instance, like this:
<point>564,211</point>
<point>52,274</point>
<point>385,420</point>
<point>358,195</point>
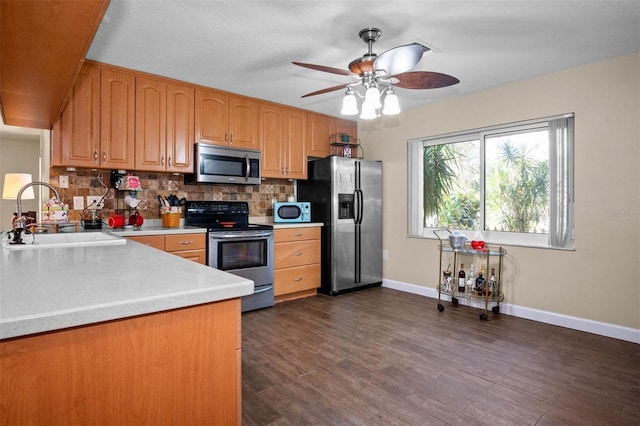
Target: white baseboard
<point>575,323</point>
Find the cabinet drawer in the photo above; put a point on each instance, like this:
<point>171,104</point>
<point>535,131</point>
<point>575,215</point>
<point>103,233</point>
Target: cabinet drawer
<point>179,242</point>
<point>291,280</point>
<point>198,256</point>
<point>297,234</point>
<point>155,241</point>
<point>297,253</point>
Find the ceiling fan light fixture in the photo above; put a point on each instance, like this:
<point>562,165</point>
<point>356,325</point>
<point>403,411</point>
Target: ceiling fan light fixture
<point>349,103</point>
<point>391,104</point>
<point>372,95</point>
<point>369,111</point>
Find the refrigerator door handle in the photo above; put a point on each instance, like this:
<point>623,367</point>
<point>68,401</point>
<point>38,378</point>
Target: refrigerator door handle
<point>359,208</point>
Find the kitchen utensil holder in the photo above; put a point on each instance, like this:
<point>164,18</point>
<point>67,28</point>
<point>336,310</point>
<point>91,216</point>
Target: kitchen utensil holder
<point>171,216</point>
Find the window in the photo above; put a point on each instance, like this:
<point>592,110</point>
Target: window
<point>513,182</point>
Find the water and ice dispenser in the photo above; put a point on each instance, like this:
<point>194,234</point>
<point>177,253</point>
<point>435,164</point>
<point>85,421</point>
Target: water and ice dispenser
<point>345,206</point>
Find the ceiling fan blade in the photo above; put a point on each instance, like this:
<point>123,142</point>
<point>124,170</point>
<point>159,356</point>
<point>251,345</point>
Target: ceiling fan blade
<point>424,80</point>
<point>322,68</point>
<point>400,59</point>
<point>328,89</point>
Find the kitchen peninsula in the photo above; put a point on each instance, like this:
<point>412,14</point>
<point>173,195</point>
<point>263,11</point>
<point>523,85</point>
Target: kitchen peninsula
<point>117,334</point>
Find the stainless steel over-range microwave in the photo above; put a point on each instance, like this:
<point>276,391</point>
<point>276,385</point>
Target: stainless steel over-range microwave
<point>216,164</point>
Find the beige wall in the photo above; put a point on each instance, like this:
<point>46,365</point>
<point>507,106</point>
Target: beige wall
<point>18,154</point>
<point>600,280</point>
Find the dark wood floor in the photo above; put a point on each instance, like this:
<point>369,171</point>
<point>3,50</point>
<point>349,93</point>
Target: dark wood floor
<point>384,357</point>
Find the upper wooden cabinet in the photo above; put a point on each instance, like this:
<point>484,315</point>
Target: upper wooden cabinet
<point>283,141</point>
<point>96,128</point>
<point>227,120</point>
<point>180,127</point>
<point>347,127</point>
<point>164,126</point>
<point>117,106</point>
<point>76,135</point>
<point>116,119</point>
<point>321,127</point>
<point>43,44</point>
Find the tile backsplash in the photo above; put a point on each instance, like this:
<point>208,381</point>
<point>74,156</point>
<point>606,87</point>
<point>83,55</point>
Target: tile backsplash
<point>87,182</point>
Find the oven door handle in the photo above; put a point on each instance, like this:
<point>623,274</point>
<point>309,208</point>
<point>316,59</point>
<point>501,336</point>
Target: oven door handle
<point>259,290</point>
<point>244,235</point>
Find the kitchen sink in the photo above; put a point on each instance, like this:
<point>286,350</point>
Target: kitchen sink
<point>71,239</point>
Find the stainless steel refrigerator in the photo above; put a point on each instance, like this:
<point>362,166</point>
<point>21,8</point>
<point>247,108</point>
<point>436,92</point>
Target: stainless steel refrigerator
<point>346,195</point>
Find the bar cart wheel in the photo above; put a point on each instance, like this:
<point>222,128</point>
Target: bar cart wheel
<point>454,301</point>
<point>495,309</point>
<point>440,307</point>
<point>483,317</point>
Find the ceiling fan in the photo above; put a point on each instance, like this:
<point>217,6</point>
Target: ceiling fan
<point>376,75</point>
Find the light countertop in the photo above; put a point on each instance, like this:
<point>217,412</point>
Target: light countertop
<point>156,230</point>
<point>48,289</point>
<point>268,220</point>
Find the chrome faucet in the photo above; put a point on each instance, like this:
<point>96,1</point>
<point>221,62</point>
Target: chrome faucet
<point>20,222</point>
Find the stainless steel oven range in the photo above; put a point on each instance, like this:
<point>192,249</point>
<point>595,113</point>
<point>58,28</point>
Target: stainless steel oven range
<point>236,246</point>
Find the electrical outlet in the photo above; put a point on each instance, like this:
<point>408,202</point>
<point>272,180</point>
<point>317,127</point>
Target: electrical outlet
<point>385,254</point>
<point>78,202</point>
<point>94,202</point>
<point>63,182</point>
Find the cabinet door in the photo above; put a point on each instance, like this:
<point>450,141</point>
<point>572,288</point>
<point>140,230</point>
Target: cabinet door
<point>297,234</point>
<point>198,256</point>
<point>117,107</point>
<point>155,241</point>
<point>272,140</point>
<point>296,133</point>
<point>296,253</point>
<point>212,117</point>
<point>78,141</point>
<point>180,128</point>
<point>321,127</point>
<point>244,119</point>
<point>181,242</point>
<point>151,124</point>
<point>299,278</point>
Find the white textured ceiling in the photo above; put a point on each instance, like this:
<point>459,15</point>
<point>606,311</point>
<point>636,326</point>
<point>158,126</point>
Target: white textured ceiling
<point>246,47</point>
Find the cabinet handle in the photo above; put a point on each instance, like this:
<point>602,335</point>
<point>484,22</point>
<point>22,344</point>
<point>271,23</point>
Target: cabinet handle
<point>162,160</point>
<point>298,253</point>
<point>186,243</point>
<point>231,138</point>
<point>226,137</point>
<point>169,161</point>
<point>297,279</point>
<point>299,235</point>
<point>104,155</point>
<point>95,155</point>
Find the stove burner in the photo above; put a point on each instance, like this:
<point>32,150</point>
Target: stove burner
<point>220,215</point>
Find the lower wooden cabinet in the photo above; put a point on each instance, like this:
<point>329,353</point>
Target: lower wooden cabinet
<point>177,367</point>
<point>189,246</point>
<point>297,262</point>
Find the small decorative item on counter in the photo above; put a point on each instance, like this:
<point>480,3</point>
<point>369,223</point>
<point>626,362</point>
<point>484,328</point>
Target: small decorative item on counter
<point>170,216</point>
<point>116,220</point>
<point>55,211</point>
<point>136,219</point>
